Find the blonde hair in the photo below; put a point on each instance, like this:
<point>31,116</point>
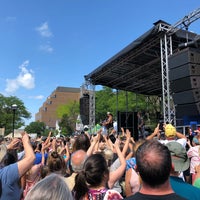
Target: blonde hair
<point>108,155</point>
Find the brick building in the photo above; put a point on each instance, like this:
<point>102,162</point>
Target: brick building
<point>61,95</point>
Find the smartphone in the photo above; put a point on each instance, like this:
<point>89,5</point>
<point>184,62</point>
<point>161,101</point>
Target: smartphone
<point>112,138</point>
<point>193,127</point>
<point>161,125</point>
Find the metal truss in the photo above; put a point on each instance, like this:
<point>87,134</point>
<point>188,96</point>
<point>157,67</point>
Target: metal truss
<point>168,106</point>
<point>185,22</point>
<point>89,88</point>
<point>166,50</point>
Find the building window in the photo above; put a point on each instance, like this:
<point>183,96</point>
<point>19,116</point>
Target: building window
<point>53,96</point>
<point>49,102</point>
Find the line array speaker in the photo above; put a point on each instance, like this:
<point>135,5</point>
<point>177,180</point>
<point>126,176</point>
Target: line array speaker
<point>184,76</point>
<point>182,71</point>
<point>84,109</point>
<point>186,83</point>
<point>188,110</point>
<point>187,55</point>
<point>185,97</point>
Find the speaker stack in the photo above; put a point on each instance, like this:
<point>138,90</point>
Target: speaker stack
<point>128,120</point>
<point>84,109</point>
<point>184,77</point>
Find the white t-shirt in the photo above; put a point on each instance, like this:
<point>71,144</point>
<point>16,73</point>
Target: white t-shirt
<point>181,141</point>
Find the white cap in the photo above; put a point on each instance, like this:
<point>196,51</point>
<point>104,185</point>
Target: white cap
<point>85,127</point>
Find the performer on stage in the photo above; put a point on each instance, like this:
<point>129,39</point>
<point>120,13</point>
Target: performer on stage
<point>141,126</point>
<point>107,123</point>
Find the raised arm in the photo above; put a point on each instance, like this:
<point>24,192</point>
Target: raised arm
<point>25,164</point>
<point>180,135</point>
<point>119,172</point>
<point>94,141</point>
<point>126,145</point>
<point>155,133</point>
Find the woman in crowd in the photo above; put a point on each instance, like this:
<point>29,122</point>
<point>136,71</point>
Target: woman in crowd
<point>51,187</point>
<point>93,180</point>
<point>194,155</point>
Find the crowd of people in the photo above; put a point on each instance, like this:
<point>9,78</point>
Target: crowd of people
<point>96,167</point>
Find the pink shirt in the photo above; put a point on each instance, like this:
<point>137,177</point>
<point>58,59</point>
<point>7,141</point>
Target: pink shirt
<point>194,155</point>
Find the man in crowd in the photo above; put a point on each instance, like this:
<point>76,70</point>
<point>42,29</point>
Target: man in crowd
<point>180,163</point>
<point>10,174</point>
<point>77,160</point>
<point>170,134</point>
<point>154,166</point>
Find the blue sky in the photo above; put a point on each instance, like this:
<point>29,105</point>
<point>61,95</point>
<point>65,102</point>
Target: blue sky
<point>46,43</point>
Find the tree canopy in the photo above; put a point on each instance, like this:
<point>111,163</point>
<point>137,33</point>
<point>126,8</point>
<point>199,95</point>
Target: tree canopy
<point>7,113</point>
<point>110,100</point>
<point>36,127</point>
<point>68,114</point>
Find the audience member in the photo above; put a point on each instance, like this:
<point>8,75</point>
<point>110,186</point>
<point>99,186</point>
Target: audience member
<point>180,163</point>
<point>197,177</point>
<point>117,168</point>
<point>132,180</point>
<point>91,182</point>
<point>154,166</point>
<point>81,142</point>
<point>77,160</point>
<point>194,156</point>
<point>10,175</point>
<point>171,134</point>
<point>51,187</point>
<point>56,163</point>
<point>33,175</point>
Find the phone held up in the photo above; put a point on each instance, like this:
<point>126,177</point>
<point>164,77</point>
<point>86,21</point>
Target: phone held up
<point>161,122</point>
<point>193,127</point>
<point>112,138</point>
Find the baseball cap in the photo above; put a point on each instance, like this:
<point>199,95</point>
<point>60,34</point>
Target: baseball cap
<point>85,128</point>
<point>3,151</point>
<point>179,156</point>
<point>170,131</point>
<point>195,140</point>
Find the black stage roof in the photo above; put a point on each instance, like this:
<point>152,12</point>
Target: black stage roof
<point>137,67</point>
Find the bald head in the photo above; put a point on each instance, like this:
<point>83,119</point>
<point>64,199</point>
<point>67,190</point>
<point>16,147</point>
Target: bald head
<point>77,160</point>
<point>153,162</point>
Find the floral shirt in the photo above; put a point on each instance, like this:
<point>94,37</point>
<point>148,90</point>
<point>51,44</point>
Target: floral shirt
<point>103,194</point>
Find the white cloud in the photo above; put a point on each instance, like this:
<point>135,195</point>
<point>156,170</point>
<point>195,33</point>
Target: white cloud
<point>46,48</point>
<point>37,97</point>
<point>25,79</point>
<point>44,30</point>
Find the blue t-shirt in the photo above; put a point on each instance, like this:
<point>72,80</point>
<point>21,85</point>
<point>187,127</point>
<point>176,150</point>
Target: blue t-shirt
<point>38,157</point>
<point>184,189</point>
<point>9,176</point>
<point>130,163</point>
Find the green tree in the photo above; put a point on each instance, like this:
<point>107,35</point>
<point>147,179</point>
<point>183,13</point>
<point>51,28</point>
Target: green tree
<point>6,113</point>
<point>36,127</point>
<point>104,100</point>
<point>110,100</point>
<point>66,127</point>
<point>68,114</point>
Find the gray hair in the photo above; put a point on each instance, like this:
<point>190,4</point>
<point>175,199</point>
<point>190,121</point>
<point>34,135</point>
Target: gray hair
<point>81,156</point>
<point>52,186</point>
